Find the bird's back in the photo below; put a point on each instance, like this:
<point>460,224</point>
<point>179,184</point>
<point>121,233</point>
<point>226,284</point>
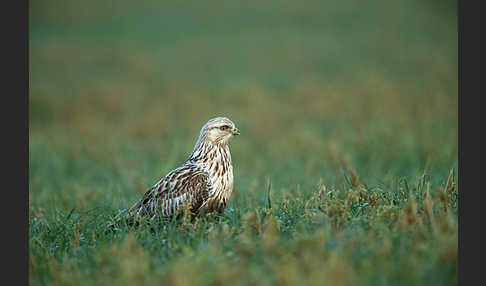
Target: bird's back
<point>188,185</point>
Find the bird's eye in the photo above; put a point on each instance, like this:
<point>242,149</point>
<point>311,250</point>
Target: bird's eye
<point>224,127</point>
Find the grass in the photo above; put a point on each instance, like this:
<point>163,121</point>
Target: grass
<point>344,171</point>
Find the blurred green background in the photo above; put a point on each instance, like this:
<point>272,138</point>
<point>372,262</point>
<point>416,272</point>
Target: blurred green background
<point>120,89</point>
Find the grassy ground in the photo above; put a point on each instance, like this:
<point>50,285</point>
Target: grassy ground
<point>344,172</point>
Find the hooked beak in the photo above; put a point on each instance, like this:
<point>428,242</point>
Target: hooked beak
<point>236,131</point>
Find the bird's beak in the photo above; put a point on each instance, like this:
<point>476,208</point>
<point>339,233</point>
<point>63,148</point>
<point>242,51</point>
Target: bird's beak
<point>236,131</point>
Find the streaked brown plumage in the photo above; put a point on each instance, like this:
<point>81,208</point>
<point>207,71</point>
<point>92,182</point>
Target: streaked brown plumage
<point>203,183</point>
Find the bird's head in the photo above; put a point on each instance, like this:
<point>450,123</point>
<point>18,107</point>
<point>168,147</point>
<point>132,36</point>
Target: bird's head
<point>219,130</point>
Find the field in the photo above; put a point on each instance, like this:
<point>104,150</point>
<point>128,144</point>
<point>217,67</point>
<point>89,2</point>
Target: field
<point>345,170</point>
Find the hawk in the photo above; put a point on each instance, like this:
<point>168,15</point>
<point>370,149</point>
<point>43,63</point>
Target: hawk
<point>203,183</point>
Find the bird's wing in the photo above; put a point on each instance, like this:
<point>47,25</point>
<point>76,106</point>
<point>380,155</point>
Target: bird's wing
<point>188,184</point>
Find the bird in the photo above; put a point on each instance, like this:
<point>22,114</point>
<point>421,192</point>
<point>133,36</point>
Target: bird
<point>203,183</point>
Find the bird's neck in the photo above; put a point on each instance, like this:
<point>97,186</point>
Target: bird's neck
<point>209,153</point>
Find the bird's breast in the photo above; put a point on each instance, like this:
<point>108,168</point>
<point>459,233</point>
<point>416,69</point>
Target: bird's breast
<point>220,171</point>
